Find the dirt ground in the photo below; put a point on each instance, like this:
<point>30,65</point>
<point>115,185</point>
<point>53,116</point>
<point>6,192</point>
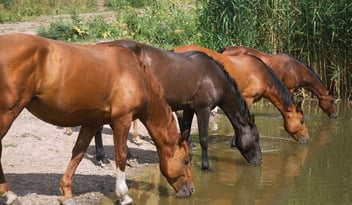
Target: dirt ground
<point>35,153</point>
<point>35,156</point>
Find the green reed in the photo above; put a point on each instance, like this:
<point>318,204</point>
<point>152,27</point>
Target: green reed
<point>318,32</point>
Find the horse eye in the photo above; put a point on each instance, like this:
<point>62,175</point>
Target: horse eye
<point>302,122</point>
<point>185,162</point>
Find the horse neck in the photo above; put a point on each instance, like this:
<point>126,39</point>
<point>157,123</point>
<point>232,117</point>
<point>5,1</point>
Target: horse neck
<point>312,82</point>
<point>159,120</point>
<point>276,92</point>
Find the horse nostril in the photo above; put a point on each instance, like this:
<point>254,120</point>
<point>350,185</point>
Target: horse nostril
<point>303,140</point>
<point>192,190</point>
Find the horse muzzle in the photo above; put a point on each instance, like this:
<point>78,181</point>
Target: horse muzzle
<point>303,140</point>
<point>185,191</point>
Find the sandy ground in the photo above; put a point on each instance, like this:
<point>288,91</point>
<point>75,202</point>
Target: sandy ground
<point>35,156</point>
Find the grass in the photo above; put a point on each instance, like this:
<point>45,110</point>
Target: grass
<point>21,10</point>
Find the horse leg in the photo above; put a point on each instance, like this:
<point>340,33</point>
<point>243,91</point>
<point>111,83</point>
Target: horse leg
<point>135,134</point>
<point>68,130</point>
<point>121,128</point>
<point>8,196</point>
<point>184,119</point>
<point>99,148</point>
<point>7,116</point>
<point>84,138</point>
<point>203,124</point>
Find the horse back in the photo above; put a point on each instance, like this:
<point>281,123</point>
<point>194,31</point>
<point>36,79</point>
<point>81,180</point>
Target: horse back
<point>68,84</point>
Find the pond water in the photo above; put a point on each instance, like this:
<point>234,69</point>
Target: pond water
<point>317,173</point>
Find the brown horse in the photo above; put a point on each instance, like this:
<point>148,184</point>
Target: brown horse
<point>293,73</point>
<point>88,86</point>
<point>256,80</point>
<point>195,83</point>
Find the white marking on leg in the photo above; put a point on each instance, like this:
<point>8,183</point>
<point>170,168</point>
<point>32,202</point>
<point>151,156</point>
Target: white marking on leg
<point>121,188</point>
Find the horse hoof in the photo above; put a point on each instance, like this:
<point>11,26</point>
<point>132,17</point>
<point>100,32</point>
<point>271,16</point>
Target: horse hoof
<point>126,200</point>
<point>16,202</point>
<point>105,164</point>
<point>138,142</point>
<point>10,198</point>
<point>68,202</point>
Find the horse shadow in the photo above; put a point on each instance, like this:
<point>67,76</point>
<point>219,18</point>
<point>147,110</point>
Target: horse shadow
<point>135,153</point>
<point>48,184</point>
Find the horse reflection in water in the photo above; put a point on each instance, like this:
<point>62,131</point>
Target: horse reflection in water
<point>195,83</point>
<point>228,185</point>
<point>256,80</point>
<point>293,73</point>
<point>89,86</point>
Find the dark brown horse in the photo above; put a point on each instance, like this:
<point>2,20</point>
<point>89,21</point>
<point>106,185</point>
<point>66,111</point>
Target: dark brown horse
<point>71,85</point>
<point>195,83</point>
<point>293,73</point>
<point>256,80</point>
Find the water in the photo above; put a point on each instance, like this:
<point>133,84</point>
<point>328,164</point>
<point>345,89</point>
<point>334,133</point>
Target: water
<point>317,173</point>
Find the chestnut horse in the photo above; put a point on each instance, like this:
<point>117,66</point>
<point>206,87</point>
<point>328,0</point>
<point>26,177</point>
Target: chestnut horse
<point>293,73</point>
<point>256,80</point>
<point>195,83</point>
<point>88,86</point>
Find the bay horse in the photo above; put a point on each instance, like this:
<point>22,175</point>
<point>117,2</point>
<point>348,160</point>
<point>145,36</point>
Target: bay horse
<point>195,83</point>
<point>89,85</point>
<point>255,80</point>
<point>293,73</point>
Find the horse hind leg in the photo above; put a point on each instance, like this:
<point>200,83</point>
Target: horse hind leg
<point>135,134</point>
<point>84,138</point>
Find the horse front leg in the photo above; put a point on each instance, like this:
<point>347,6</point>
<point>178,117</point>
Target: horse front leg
<point>121,128</point>
<point>203,124</point>
<point>100,155</point>
<point>84,138</point>
<point>185,119</point>
<point>6,119</point>
<point>8,196</point>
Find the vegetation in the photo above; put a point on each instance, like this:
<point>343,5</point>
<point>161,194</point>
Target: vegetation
<point>17,10</point>
<point>318,32</point>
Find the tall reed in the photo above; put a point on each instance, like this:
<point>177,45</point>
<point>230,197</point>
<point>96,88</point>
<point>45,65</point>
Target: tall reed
<point>318,32</point>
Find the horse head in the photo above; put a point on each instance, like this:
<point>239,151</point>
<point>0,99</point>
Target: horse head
<point>176,168</point>
<point>250,149</point>
<point>295,124</point>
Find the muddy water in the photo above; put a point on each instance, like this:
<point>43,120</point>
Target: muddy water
<point>317,173</point>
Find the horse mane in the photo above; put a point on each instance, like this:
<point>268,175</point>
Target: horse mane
<point>232,83</point>
<point>155,85</point>
<point>310,69</point>
<point>283,91</point>
<point>313,72</point>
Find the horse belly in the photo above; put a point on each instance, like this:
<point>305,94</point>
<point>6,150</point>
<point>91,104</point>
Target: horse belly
<point>67,116</point>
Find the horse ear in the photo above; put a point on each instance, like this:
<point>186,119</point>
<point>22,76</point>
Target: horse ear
<point>183,137</point>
